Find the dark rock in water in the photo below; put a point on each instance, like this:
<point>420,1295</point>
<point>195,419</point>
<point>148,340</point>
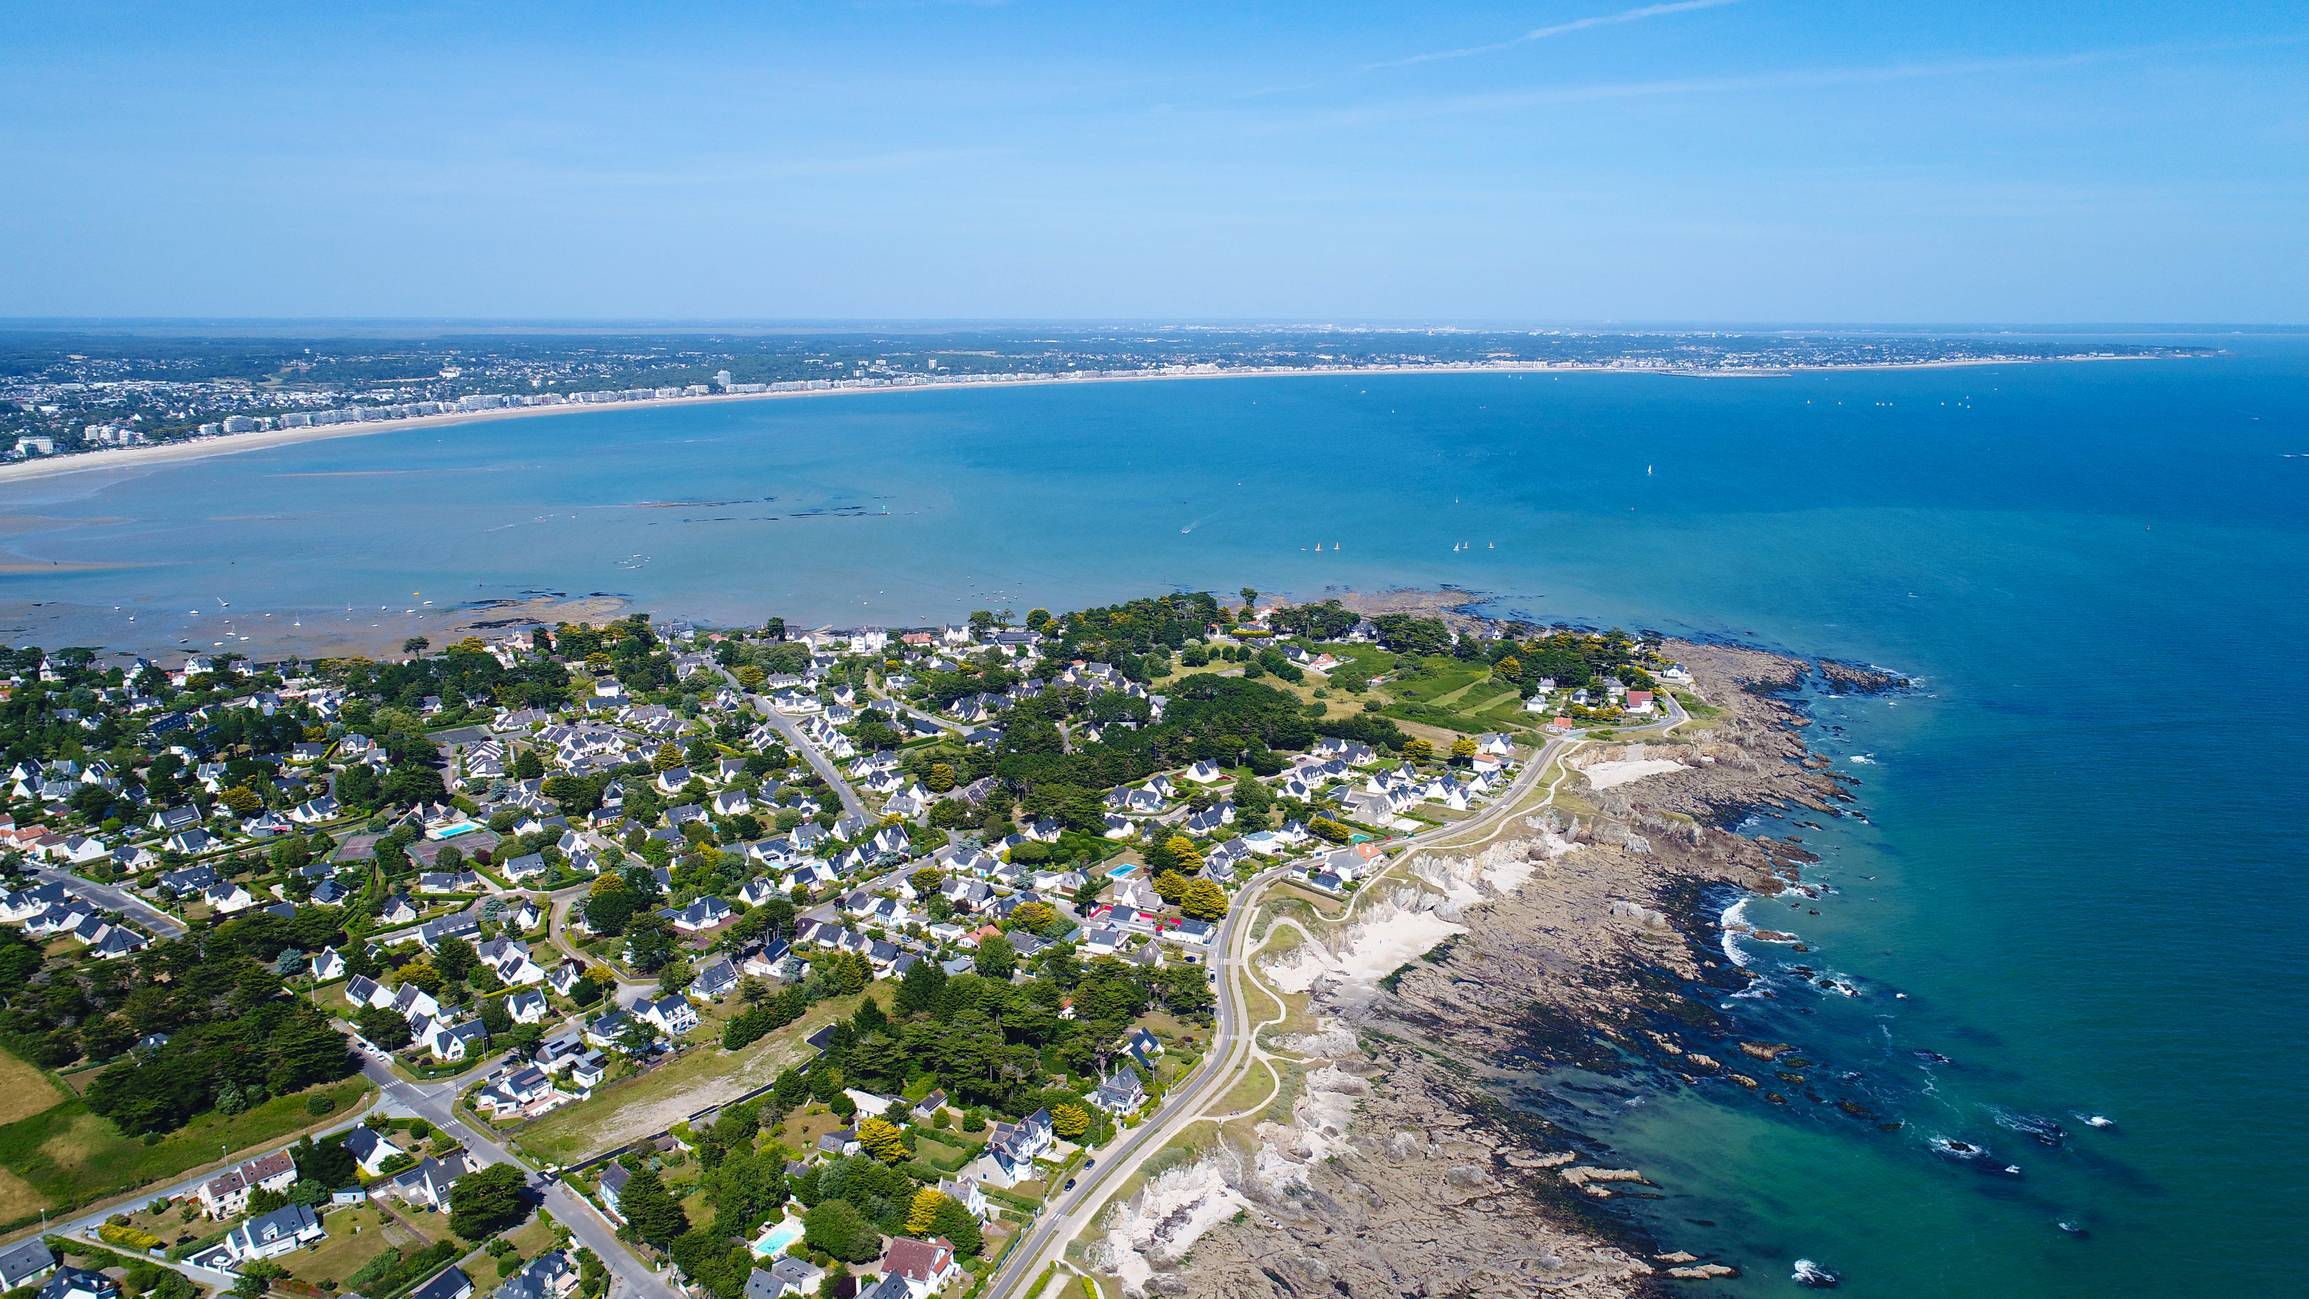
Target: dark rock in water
<point>2043,1130</point>
<point>1932,1057</point>
<point>2074,1228</point>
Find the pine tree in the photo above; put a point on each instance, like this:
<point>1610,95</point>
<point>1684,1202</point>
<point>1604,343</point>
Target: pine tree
<point>652,1211</point>
<point>953,1220</point>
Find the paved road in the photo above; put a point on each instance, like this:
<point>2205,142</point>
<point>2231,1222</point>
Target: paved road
<point>943,724</point>
<point>86,1224</point>
<point>628,991</point>
<point>435,1102</point>
<point>1068,1214</point>
<point>801,744</point>
<point>161,923</point>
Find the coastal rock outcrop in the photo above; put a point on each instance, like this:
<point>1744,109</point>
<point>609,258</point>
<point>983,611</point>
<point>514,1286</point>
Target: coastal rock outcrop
<point>1571,941</point>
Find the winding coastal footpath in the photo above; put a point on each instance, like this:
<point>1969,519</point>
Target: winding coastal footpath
<point>1234,1045</point>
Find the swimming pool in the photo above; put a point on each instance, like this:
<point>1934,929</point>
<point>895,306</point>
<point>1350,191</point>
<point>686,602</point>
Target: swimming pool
<point>1120,871</point>
<point>777,1237</point>
<point>452,831</point>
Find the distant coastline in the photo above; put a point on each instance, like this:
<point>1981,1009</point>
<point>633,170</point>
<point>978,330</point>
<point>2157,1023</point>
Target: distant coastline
<point>232,443</point>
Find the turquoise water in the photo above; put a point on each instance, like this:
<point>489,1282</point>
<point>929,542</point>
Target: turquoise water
<point>451,832</point>
<point>777,1238</point>
<point>2083,858</point>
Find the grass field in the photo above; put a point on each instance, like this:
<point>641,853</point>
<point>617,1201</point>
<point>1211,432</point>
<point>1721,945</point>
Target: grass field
<point>24,1090</point>
<point>637,1107</point>
<point>535,1236</point>
<point>945,1151</point>
<point>356,1235</point>
<point>64,1156</point>
<point>1456,696</point>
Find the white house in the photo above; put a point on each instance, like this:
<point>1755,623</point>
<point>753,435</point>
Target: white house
<point>276,1233</point>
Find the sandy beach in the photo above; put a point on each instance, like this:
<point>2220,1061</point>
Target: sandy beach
<point>130,458</point>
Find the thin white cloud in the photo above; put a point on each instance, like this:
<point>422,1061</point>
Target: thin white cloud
<point>1554,30</point>
<point>1508,100</point>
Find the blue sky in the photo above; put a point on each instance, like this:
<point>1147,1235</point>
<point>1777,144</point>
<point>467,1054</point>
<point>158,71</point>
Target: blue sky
<point>1565,161</point>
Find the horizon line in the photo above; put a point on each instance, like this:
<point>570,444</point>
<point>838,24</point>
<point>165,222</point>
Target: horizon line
<point>36,323</point>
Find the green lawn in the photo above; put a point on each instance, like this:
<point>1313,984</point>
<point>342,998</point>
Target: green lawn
<point>535,1236</point>
<point>1456,696</point>
<point>652,1102</point>
<point>804,1126</point>
<point>65,1156</point>
<point>945,1151</point>
<point>356,1235</point>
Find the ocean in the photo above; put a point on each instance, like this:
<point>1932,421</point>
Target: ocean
<point>2079,886</point>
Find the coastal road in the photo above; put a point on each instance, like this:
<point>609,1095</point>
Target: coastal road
<point>1069,1214</point>
<point>162,924</point>
<point>1233,1044</point>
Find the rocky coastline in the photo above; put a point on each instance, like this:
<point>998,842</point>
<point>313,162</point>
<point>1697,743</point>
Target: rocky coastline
<point>1590,936</point>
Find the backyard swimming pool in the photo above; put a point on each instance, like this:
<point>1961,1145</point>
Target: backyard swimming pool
<point>777,1237</point>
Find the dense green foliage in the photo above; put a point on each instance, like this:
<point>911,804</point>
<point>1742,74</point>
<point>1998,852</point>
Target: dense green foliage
<point>234,1036</point>
<point>488,1201</point>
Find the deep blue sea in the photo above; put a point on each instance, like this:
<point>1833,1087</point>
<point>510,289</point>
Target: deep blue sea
<point>2081,878</point>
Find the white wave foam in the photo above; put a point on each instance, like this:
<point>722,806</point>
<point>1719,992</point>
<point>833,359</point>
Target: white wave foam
<point>1735,914</point>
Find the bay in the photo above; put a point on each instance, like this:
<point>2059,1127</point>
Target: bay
<point>2080,879</point>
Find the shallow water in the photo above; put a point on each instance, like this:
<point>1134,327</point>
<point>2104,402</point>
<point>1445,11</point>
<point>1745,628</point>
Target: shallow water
<point>2084,859</point>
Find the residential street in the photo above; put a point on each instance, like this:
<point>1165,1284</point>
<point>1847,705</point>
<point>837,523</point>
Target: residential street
<point>162,924</point>
<point>801,744</point>
<point>434,1102</point>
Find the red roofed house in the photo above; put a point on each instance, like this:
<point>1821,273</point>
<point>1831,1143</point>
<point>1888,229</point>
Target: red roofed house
<point>927,1265</point>
<point>228,1192</point>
